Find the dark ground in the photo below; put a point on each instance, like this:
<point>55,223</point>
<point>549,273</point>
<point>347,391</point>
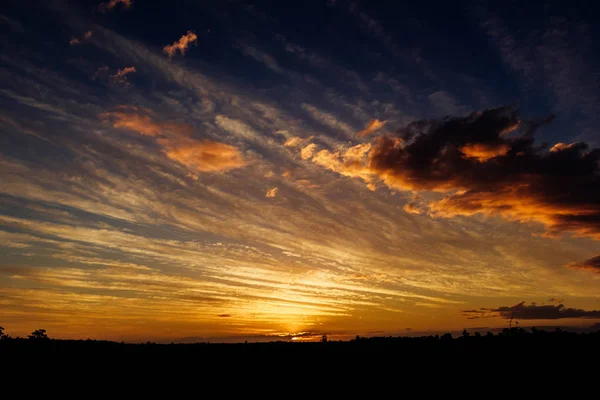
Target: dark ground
<point>511,345</point>
<point>513,363</point>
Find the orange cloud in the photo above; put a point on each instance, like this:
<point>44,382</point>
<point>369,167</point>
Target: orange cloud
<point>182,44</point>
<point>293,142</point>
<point>412,208</point>
<point>371,127</point>
<point>121,75</point>
<point>177,141</point>
<point>348,162</point>
<point>272,192</point>
<point>111,4</point>
<point>483,152</point>
<point>562,146</point>
<point>132,120</point>
<point>206,156</point>
<point>308,151</point>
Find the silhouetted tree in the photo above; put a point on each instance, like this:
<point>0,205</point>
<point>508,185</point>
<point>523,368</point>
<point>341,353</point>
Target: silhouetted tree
<point>2,335</point>
<point>465,333</point>
<point>489,334</point>
<point>39,334</point>
<point>324,338</point>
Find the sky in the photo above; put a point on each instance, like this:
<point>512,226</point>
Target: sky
<point>258,170</point>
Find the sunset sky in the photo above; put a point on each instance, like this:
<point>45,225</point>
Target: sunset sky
<point>254,170</point>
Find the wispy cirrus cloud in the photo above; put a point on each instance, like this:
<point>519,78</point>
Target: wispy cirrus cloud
<point>260,56</point>
<point>553,59</point>
<point>328,119</point>
<point>180,45</point>
<point>371,127</point>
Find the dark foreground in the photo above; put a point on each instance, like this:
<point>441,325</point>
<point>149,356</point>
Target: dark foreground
<point>515,363</point>
<point>515,346</point>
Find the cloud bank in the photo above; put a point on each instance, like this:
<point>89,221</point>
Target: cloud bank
<point>482,166</point>
<point>592,264</point>
<point>487,170</point>
<point>531,311</point>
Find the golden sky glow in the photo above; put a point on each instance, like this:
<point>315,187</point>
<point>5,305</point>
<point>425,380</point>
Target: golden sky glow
<point>174,201</point>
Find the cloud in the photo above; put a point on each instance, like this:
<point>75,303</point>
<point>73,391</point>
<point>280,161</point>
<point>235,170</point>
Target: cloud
<point>206,156</point>
<point>346,161</point>
<point>308,151</point>
<point>141,121</point>
<point>484,163</point>
<point>371,127</point>
<point>483,152</point>
<point>530,312</point>
<point>224,315</point>
<point>412,208</point>
<point>263,57</point>
<point>294,141</point>
<point>592,264</point>
<point>327,119</point>
<point>117,78</point>
<point>182,44</point>
<point>111,4</point>
<point>120,76</point>
<point>176,140</point>
<point>484,170</point>
<point>272,192</point>
<point>445,104</point>
<point>77,41</point>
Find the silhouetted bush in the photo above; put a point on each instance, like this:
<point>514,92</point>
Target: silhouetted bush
<point>39,334</point>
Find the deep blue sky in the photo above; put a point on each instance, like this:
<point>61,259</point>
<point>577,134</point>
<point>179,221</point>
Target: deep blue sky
<point>538,55</point>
